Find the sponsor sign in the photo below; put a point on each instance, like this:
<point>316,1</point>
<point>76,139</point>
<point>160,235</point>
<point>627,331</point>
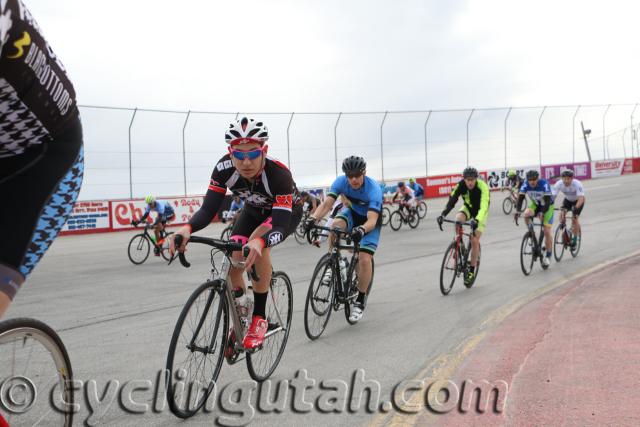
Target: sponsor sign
<point>443,185</point>
<point>88,216</point>
<point>606,168</point>
<point>124,211</point>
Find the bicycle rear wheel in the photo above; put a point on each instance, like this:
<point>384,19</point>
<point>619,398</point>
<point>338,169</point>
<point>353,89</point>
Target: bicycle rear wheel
<point>507,205</point>
<point>396,221</point>
<point>196,350</point>
<point>386,215</point>
<point>279,310</point>
<point>527,254</point>
<point>449,269</point>
<point>559,243</point>
<point>34,360</point>
<point>319,302</point>
<point>139,248</point>
<point>422,209</point>
<point>414,219</point>
<point>299,233</point>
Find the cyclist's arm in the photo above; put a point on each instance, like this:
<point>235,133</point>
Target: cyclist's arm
<point>325,206</point>
<point>580,194</point>
<point>521,197</point>
<point>371,222</point>
<point>485,196</point>
<point>160,209</point>
<point>145,214</point>
<point>281,210</point>
<point>453,199</point>
<point>546,203</point>
<point>212,201</point>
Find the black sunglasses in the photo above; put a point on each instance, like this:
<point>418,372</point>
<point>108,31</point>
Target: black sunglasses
<point>353,174</point>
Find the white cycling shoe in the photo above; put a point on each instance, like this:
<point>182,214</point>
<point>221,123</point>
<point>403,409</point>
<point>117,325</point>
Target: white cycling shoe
<point>357,311</point>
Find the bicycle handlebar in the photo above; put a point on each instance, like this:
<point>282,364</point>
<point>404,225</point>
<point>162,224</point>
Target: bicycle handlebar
<point>342,234</point>
<point>227,246</point>
<point>452,221</point>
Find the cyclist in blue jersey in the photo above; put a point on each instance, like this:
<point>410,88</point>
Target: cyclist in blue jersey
<point>165,214</point>
<point>362,217</point>
<point>541,205</point>
<point>418,190</point>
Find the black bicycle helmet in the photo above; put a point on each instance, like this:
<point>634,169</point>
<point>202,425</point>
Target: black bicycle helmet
<point>566,172</point>
<point>354,164</point>
<point>470,172</point>
<point>532,174</point>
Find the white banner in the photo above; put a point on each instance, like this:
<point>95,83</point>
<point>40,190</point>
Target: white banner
<point>124,211</point>
<point>497,178</point>
<point>88,215</point>
<point>606,168</point>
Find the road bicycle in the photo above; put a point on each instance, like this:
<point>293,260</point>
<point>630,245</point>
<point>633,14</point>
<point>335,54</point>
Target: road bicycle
<point>422,209</point>
<point>140,245</point>
<point>532,248</point>
<point>34,363</point>
<point>509,202</point>
<point>563,239</point>
<point>404,215</point>
<point>332,287</point>
<point>456,258</point>
<point>210,330</point>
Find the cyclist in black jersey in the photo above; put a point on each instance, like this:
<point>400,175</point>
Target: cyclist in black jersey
<point>41,159</point>
<point>270,213</point>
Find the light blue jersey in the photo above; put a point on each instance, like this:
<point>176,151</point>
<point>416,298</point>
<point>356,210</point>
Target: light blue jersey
<point>366,198</point>
<point>163,208</point>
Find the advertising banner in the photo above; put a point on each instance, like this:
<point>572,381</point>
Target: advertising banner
<point>88,217</point>
<point>636,165</point>
<point>581,171</point>
<point>124,211</point>
<point>628,166</point>
<point>606,168</point>
<point>442,185</point>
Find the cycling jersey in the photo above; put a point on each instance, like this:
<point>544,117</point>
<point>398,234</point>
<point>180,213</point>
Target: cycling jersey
<point>366,198</point>
<point>164,210</point>
<point>271,192</point>
<point>538,193</point>
<point>571,192</point>
<point>417,189</point>
<point>406,193</point>
<point>515,181</point>
<point>37,100</point>
<point>476,200</point>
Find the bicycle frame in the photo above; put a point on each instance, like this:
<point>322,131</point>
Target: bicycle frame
<point>459,239</point>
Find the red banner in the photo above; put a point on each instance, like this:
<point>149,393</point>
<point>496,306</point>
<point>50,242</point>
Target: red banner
<point>636,165</point>
<point>442,185</point>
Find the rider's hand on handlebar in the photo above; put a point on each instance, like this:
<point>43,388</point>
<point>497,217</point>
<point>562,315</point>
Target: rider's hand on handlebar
<point>309,223</point>
<point>255,251</point>
<point>134,223</point>
<point>474,224</point>
<point>185,232</point>
<point>357,234</point>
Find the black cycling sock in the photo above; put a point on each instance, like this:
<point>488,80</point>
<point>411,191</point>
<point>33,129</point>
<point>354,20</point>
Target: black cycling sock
<point>472,268</point>
<point>260,303</point>
<point>360,298</point>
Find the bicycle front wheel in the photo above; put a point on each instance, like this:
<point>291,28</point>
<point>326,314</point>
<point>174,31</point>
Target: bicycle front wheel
<point>33,355</point>
<point>279,310</point>
<point>558,243</point>
<point>319,302</point>
<point>299,234</point>
<point>139,248</point>
<point>197,348</point>
<point>165,247</point>
<point>449,269</point>
<point>527,249</point>
<point>507,206</point>
<point>386,215</point>
<point>396,221</point>
<point>422,209</point>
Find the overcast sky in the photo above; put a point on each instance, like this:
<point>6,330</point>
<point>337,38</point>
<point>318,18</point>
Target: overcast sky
<point>340,55</point>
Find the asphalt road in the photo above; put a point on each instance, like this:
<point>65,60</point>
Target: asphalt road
<point>116,318</point>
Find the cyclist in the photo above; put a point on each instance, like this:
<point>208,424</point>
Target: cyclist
<point>573,200</point>
<point>337,207</point>
<point>407,195</point>
<point>362,217</point>
<point>475,208</point>
<point>309,203</point>
<point>514,181</point>
<point>541,205</point>
<point>164,215</point>
<point>268,217</point>
<point>234,209</point>
<point>41,157</point>
<point>418,190</point>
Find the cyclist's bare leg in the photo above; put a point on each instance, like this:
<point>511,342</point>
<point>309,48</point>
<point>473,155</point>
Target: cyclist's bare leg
<point>563,216</point>
<point>364,271</point>
<point>156,230</point>
<point>11,281</point>
<point>5,302</point>
<point>475,247</point>
<point>528,214</point>
<point>575,225</point>
<point>548,240</point>
<point>263,263</point>
<point>337,223</point>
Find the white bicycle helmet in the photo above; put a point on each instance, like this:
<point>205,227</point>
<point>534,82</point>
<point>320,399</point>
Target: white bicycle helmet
<point>246,130</point>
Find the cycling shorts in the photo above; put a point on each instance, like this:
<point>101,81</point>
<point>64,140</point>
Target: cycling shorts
<point>252,217</point>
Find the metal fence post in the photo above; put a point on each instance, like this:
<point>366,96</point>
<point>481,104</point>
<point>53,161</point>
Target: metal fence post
<point>573,134</point>
<point>184,153</point>
<point>624,149</point>
<point>540,136</point>
<point>632,133</point>
<point>505,136</point>
<point>335,141</point>
<point>426,158</point>
<point>381,143</point>
<point>130,167</point>
<point>604,154</point>
<point>288,145</point>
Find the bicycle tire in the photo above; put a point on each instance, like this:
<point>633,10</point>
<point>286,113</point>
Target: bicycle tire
<point>422,209</point>
<point>558,243</point>
<point>543,249</point>
<point>397,223</point>
<point>144,243</point>
<point>507,206</point>
<point>274,318</point>
<point>164,251</point>
<point>576,249</point>
<point>413,220</point>
<point>354,288</point>
<point>299,234</point>
<point>226,233</point>
<point>449,255</point>
<point>221,319</point>
<point>526,249</point>
<point>386,215</point>
<point>16,333</point>
<point>312,292</point>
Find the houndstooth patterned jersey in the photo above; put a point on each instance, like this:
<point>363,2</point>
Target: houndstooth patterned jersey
<point>37,99</point>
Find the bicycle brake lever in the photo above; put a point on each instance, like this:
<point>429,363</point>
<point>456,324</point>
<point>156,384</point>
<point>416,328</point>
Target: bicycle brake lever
<point>177,242</point>
<point>253,273</point>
